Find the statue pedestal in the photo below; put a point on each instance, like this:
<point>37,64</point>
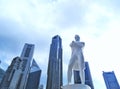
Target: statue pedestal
<point>76,86</point>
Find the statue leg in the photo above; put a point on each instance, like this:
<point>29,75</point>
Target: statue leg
<point>82,69</point>
<point>82,76</point>
<point>70,66</point>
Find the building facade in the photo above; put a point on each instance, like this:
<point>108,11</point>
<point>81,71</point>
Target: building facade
<point>2,73</point>
<point>110,80</point>
<point>12,75</point>
<point>54,73</point>
<point>16,75</point>
<point>88,77</point>
<point>26,57</point>
<point>34,76</point>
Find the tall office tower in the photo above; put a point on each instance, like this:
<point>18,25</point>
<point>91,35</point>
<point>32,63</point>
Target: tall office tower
<point>12,75</point>
<point>34,76</point>
<point>110,80</point>
<point>54,73</point>
<point>17,73</point>
<point>2,72</point>
<point>88,78</point>
<point>26,56</point>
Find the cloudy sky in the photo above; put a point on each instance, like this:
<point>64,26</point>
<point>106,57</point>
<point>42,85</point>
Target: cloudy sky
<point>37,21</point>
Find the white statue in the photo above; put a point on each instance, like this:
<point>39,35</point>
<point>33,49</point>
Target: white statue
<point>77,59</point>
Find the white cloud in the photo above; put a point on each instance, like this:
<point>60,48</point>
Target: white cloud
<point>95,12</point>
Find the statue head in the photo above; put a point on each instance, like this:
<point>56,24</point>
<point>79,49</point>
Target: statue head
<point>77,38</point>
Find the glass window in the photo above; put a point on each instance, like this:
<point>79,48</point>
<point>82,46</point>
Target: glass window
<point>27,52</point>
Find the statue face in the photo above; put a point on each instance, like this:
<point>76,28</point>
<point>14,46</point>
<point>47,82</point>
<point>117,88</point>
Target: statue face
<point>77,38</point>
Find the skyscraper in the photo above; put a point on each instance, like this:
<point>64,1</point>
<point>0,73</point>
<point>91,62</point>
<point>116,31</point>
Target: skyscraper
<point>34,76</point>
<point>54,73</point>
<point>26,57</point>
<point>88,78</point>
<point>17,73</point>
<point>12,75</point>
<point>110,80</point>
<point>2,72</point>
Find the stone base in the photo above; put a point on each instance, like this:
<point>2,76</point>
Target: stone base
<point>76,86</point>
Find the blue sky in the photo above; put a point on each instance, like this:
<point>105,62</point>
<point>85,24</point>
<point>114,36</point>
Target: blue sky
<point>37,21</point>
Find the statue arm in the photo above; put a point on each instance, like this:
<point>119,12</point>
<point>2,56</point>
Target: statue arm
<point>72,44</point>
<point>79,44</point>
<point>83,43</point>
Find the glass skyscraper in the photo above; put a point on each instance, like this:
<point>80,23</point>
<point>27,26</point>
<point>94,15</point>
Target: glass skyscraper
<point>26,57</point>
<point>88,78</point>
<point>17,73</point>
<point>12,75</point>
<point>54,73</point>
<point>34,76</point>
<point>110,80</point>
